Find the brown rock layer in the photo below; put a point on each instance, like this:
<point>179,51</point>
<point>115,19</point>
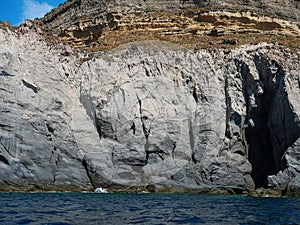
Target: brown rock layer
<point>98,25</point>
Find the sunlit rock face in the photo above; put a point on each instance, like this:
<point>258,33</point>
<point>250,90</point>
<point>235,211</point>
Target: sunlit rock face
<point>103,25</point>
<point>147,115</point>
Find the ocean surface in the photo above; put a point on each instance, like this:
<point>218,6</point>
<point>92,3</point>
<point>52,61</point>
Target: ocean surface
<point>91,208</point>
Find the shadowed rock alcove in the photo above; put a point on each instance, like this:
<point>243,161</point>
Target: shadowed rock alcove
<point>270,123</point>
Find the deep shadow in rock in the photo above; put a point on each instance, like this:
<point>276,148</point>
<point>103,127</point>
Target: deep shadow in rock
<point>270,127</point>
<point>260,150</point>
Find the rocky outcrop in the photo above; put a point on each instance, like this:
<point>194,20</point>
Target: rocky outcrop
<point>103,25</point>
<point>148,116</point>
<point>37,144</point>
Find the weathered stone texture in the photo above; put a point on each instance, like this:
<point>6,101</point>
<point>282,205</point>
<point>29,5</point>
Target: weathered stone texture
<point>148,116</point>
<point>103,25</point>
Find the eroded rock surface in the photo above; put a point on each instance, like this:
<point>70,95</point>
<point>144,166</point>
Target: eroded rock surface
<point>37,144</point>
<point>148,116</point>
<point>106,24</point>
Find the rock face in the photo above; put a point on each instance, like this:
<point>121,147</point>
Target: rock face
<point>147,116</point>
<point>37,145</point>
<point>102,25</point>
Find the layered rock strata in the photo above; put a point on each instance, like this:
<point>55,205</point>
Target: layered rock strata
<point>102,25</point>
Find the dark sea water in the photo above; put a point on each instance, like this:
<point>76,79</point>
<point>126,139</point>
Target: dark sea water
<point>90,208</point>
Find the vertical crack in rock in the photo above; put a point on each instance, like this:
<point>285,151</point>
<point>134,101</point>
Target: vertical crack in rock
<point>260,147</point>
<point>98,126</point>
<point>243,135</point>
<point>228,107</point>
<point>123,95</point>
<point>174,147</point>
<point>49,128</point>
<point>257,133</point>
<point>85,166</point>
<point>195,95</point>
<point>133,127</point>
<point>5,148</point>
<point>54,179</point>
<point>140,105</point>
<point>145,130</point>
<point>4,160</point>
<point>268,114</point>
<point>192,141</point>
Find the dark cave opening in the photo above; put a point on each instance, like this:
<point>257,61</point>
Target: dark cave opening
<point>270,123</point>
<point>260,148</point>
<point>268,113</point>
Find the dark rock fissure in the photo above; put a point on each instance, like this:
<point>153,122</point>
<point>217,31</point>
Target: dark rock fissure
<point>257,134</point>
<point>5,148</point>
<point>145,130</point>
<point>49,128</point>
<point>260,148</point>
<point>173,150</point>
<point>4,160</point>
<point>228,107</point>
<point>268,114</point>
<point>146,148</point>
<point>195,95</point>
<point>192,142</point>
<point>33,87</point>
<point>6,74</point>
<point>104,128</point>
<point>85,165</point>
<point>98,127</point>
<point>133,127</point>
<point>158,152</point>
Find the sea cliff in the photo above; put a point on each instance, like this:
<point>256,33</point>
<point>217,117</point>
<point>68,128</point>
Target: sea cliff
<point>142,106</point>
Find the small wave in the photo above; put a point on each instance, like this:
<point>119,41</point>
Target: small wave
<point>101,190</point>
